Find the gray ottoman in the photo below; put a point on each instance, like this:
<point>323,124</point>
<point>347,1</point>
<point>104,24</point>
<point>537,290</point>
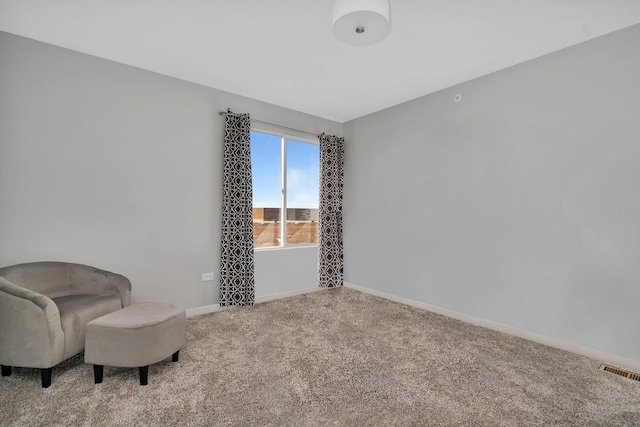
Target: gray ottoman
<point>135,337</point>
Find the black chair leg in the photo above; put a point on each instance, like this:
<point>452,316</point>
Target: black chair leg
<point>6,371</point>
<point>174,356</point>
<point>98,371</point>
<point>144,374</point>
<point>46,377</point>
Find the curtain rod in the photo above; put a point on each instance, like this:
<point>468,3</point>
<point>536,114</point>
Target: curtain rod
<point>222,113</point>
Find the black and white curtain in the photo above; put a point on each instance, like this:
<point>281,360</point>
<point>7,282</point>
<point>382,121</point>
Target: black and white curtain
<point>237,284</point>
<point>331,185</point>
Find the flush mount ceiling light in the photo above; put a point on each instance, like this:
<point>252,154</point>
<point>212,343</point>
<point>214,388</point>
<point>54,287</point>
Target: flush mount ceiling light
<point>361,22</point>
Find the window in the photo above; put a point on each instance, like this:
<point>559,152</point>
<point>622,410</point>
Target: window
<point>286,185</point>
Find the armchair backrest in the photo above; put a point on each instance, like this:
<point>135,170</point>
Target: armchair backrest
<point>58,279</point>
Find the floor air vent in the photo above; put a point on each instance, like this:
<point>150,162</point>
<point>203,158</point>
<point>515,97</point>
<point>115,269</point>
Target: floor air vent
<point>621,372</point>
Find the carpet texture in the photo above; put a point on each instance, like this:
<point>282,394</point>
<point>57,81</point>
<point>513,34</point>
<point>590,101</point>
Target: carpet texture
<point>335,357</point>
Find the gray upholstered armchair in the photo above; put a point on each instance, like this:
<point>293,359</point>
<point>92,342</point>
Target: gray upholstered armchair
<point>45,307</point>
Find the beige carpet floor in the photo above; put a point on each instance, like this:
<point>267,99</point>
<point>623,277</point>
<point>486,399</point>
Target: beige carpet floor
<point>333,358</point>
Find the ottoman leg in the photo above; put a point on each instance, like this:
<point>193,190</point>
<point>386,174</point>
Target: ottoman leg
<point>174,356</point>
<point>98,371</point>
<point>144,374</point>
<point>45,376</point>
<point>6,371</point>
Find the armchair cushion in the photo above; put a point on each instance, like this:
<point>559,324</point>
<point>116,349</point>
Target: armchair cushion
<point>78,310</point>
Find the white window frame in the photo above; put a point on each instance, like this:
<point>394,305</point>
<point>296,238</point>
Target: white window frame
<point>285,135</point>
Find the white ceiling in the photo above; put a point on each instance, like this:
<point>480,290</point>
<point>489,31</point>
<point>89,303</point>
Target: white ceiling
<point>284,52</point>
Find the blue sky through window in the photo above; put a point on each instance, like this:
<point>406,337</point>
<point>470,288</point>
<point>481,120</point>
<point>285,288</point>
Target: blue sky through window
<point>303,172</point>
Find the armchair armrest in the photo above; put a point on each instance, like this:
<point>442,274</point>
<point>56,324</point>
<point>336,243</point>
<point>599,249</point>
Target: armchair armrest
<point>30,330</point>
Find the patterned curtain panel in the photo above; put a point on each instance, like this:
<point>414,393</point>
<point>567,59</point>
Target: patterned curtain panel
<point>236,270</point>
<point>331,185</point>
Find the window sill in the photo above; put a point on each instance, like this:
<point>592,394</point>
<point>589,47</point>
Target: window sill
<point>285,248</point>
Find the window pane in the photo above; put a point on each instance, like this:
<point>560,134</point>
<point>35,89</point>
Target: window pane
<point>303,186</point>
<point>266,167</point>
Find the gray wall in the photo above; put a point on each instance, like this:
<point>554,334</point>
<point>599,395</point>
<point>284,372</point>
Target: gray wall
<point>520,204</point>
<point>120,168</point>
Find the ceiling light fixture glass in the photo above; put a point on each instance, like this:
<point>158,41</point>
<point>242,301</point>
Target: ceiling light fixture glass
<point>361,22</point>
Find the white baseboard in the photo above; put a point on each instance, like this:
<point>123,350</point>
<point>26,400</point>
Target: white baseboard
<point>271,297</point>
<point>205,309</point>
<point>197,311</point>
<point>613,359</point>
